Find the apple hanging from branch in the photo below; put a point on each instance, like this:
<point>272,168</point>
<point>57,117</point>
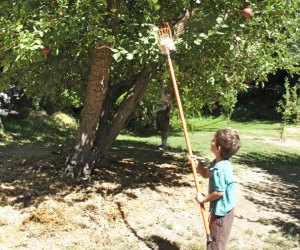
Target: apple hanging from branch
<point>247,12</point>
<point>45,50</point>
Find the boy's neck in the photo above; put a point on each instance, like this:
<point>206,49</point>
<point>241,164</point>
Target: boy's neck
<point>219,158</point>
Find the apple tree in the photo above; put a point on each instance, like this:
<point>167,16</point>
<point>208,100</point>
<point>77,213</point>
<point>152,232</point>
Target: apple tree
<point>104,55</point>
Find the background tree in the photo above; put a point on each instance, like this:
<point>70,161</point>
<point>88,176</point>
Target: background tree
<point>288,107</point>
<point>103,54</point>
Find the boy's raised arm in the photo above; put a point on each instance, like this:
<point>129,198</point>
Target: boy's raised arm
<point>203,171</point>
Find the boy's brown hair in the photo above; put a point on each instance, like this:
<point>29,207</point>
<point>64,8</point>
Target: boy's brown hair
<point>229,141</point>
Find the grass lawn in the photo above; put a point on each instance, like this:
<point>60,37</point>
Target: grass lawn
<point>261,145</point>
<point>259,139</point>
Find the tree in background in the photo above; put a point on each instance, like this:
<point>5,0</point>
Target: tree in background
<point>289,107</point>
<point>103,55</point>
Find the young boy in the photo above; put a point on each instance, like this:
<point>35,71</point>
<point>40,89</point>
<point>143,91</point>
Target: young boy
<point>222,191</point>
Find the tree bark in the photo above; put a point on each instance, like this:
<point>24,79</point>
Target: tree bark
<point>94,98</point>
<point>1,126</point>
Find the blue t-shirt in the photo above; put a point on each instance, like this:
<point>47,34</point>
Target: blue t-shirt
<point>221,179</point>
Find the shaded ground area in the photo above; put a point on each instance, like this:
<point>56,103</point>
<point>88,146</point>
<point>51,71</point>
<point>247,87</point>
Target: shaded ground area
<point>138,198</point>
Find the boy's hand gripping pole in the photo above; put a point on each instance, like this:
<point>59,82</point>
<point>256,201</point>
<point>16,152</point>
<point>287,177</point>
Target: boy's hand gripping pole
<point>166,44</point>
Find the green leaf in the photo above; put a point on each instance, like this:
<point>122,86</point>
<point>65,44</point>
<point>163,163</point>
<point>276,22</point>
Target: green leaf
<point>156,7</point>
<point>197,41</point>
<point>117,56</point>
<point>203,35</point>
<point>129,56</point>
<point>35,47</point>
<point>219,20</point>
<point>103,1</point>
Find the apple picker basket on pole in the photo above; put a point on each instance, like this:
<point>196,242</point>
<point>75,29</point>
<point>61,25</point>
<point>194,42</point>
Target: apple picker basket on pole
<point>166,44</point>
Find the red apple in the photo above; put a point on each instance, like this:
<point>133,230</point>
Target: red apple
<point>247,12</point>
<point>213,107</point>
<point>45,50</point>
<point>248,81</point>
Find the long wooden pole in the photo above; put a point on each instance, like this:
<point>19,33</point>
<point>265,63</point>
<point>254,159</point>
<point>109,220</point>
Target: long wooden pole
<point>187,141</point>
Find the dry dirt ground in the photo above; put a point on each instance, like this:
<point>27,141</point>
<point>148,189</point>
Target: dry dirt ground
<point>139,198</point>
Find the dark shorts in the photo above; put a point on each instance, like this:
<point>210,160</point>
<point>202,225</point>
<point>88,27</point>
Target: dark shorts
<point>220,227</point>
<point>163,120</point>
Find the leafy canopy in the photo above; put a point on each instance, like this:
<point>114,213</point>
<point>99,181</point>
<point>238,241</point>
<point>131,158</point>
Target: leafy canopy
<point>218,54</point>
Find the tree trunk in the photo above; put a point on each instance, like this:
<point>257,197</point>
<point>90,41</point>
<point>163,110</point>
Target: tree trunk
<point>94,98</point>
<point>112,124</point>
<point>1,126</point>
<point>107,134</point>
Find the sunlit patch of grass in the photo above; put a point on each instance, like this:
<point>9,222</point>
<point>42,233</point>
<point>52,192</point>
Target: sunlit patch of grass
<point>3,137</point>
<point>196,245</point>
<point>237,169</point>
<point>64,120</point>
<point>168,225</point>
<point>275,241</point>
<point>264,221</point>
<point>249,231</point>
<point>42,129</point>
<point>120,243</point>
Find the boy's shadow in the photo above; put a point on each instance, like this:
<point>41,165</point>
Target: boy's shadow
<point>161,243</point>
